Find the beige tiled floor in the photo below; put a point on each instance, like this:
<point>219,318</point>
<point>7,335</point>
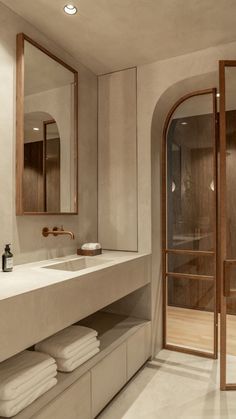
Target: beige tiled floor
<point>172,386</point>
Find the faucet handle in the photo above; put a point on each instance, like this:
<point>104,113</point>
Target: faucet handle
<point>55,229</point>
<point>62,228</point>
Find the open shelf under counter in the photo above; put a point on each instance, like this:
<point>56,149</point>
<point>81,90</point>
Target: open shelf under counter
<point>33,294</point>
<point>114,330</point>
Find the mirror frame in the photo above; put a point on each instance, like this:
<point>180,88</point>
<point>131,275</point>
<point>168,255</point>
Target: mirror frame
<point>21,38</point>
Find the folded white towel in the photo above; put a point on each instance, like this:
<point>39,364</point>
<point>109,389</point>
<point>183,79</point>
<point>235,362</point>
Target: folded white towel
<point>70,365</point>
<point>10,408</point>
<point>46,373</point>
<point>91,246</point>
<point>81,353</point>
<point>67,341</point>
<point>21,371</point>
<point>82,347</point>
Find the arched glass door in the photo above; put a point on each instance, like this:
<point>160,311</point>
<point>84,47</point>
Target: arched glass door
<point>189,213</point>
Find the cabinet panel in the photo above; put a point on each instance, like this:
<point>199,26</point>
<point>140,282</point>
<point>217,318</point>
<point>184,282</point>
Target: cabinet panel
<point>138,349</point>
<point>117,160</point>
<point>108,377</point>
<point>73,403</point>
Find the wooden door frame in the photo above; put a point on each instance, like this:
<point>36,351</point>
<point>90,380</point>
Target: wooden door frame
<point>224,263</point>
<point>165,275</point>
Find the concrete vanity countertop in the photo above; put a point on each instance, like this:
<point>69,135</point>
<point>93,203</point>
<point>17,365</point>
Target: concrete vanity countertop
<point>32,276</point>
<point>36,302</point>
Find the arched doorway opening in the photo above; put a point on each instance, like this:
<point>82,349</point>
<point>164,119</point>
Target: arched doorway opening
<point>180,180</point>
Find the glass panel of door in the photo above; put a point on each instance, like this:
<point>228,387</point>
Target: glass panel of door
<point>189,240</point>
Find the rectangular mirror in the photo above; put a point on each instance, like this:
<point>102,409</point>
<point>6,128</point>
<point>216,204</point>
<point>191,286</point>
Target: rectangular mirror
<point>46,132</point>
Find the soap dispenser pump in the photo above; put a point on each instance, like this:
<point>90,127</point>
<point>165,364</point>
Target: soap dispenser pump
<point>7,259</point>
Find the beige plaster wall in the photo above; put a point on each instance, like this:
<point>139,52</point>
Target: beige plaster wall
<point>25,232</point>
<point>159,85</point>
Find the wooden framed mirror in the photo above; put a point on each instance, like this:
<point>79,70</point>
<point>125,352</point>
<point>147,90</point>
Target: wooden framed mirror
<point>46,132</point>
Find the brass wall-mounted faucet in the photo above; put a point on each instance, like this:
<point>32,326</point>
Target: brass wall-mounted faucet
<point>56,231</point>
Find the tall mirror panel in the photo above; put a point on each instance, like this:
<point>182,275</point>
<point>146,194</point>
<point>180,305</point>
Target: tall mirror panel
<point>47,143</point>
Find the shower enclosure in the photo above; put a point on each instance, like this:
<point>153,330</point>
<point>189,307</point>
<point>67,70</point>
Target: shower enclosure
<point>199,224</point>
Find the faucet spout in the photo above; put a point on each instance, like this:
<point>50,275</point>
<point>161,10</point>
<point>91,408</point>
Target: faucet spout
<point>57,231</point>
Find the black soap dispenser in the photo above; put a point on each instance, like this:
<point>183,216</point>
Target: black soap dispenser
<point>7,259</point>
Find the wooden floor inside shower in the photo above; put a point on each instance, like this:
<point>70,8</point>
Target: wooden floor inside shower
<point>194,329</point>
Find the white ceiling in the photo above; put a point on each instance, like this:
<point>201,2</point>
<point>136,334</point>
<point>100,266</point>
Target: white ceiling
<point>108,35</point>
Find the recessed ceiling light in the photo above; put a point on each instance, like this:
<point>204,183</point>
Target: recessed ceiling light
<point>70,9</point>
<point>184,123</point>
<point>36,129</point>
<point>217,94</point>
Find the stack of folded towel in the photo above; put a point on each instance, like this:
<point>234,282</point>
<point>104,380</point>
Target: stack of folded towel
<point>24,378</point>
<point>71,347</point>
<point>91,246</point>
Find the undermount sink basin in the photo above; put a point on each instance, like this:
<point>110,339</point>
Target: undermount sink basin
<point>77,264</point>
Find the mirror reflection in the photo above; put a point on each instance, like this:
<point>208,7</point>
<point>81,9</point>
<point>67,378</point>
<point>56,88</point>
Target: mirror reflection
<point>41,163</point>
<point>49,182</point>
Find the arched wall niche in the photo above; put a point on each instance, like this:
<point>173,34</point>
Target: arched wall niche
<point>163,106</point>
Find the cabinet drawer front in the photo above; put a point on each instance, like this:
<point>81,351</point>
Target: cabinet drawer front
<point>73,403</point>
<point>108,377</point>
<point>138,349</point>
